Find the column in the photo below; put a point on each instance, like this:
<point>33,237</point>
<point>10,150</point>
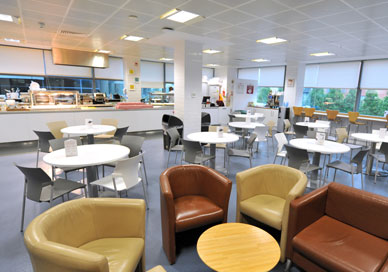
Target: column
<point>188,84</point>
<point>131,72</point>
<point>294,94</point>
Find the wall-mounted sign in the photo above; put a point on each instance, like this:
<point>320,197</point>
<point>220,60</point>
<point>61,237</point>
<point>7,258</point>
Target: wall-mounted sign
<point>290,82</point>
<point>250,89</point>
<point>131,71</point>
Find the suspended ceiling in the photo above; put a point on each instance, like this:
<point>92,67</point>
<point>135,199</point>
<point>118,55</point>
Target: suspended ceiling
<point>352,29</point>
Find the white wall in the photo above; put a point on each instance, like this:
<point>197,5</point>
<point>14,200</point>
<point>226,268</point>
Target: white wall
<point>240,100</point>
<point>132,63</point>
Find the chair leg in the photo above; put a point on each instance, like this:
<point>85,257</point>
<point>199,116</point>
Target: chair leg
<point>65,175</point>
<point>377,170</point>
<point>103,171</point>
<point>352,180</point>
<point>362,180</point>
<point>144,169</point>
<point>37,157</point>
<point>288,265</point>
<point>176,156</point>
<point>335,172</point>
<point>145,195</point>
<point>24,206</point>
<point>168,158</point>
<point>274,159</point>
<point>250,161</point>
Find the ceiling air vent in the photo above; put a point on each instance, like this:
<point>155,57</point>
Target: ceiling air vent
<point>72,34</point>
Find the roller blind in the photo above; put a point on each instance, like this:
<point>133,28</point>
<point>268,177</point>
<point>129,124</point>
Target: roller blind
<point>271,76</point>
<point>64,70</point>
<point>208,72</point>
<point>248,73</point>
<point>169,72</point>
<point>332,75</point>
<point>114,71</point>
<point>151,74</point>
<point>15,60</point>
<point>375,74</point>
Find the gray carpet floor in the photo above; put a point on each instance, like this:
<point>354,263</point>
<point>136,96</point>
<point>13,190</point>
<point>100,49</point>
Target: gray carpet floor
<point>13,254</point>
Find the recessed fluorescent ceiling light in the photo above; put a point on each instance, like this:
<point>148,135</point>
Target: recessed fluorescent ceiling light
<point>131,38</point>
<point>166,59</point>
<point>11,40</point>
<point>211,51</point>
<point>5,17</point>
<point>179,16</point>
<point>272,40</point>
<point>212,65</point>
<point>260,60</point>
<point>102,51</point>
<point>322,54</point>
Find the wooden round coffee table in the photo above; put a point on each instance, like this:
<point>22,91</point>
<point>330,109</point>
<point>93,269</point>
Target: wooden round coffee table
<point>238,247</point>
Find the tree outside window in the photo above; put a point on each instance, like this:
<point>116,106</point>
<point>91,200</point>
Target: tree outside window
<point>330,99</point>
<point>262,93</point>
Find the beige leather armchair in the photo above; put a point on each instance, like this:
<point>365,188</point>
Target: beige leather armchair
<point>89,235</point>
<point>264,193</point>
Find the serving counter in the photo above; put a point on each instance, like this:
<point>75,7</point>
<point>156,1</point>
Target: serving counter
<point>18,126</point>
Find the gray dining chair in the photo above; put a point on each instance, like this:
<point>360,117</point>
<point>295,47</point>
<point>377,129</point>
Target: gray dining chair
<point>175,143</point>
<point>381,156</point>
<point>118,135</point>
<point>135,144</point>
<point>245,153</point>
<point>299,159</point>
<point>193,153</point>
<point>354,167</point>
<point>39,187</point>
<point>300,131</point>
<point>43,143</point>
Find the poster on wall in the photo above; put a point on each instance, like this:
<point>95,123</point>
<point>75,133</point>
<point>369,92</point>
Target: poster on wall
<point>240,88</point>
<point>250,89</point>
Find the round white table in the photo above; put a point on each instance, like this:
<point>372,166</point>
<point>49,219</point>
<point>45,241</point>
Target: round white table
<point>212,139</point>
<point>327,148</point>
<point>373,139</point>
<point>88,131</point>
<point>89,156</point>
<point>314,125</point>
<point>252,116</point>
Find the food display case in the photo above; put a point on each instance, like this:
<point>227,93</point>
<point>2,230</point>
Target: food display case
<point>54,99</point>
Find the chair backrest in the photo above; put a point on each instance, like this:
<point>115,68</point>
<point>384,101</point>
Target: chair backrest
<point>300,131</point>
<point>270,125</point>
<point>251,141</point>
<point>384,150</point>
<point>261,132</point>
<point>43,140</point>
<point>358,158</point>
<point>298,111</point>
<point>287,125</point>
<point>36,179</point>
<point>281,139</point>
<point>309,112</point>
<point>353,116</point>
<point>55,128</point>
<point>296,157</point>
<point>110,122</point>
<point>311,134</point>
<point>120,132</point>
<point>134,143</point>
<point>205,118</point>
<point>332,114</point>
<point>260,119</point>
<point>342,134</point>
<point>191,150</point>
<point>60,143</point>
<point>214,128</point>
<point>174,135</point>
<point>128,169</point>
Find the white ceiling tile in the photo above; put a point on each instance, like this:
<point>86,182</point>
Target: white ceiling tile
<point>343,18</point>
<point>233,17</point>
<point>263,8</point>
<point>92,17</point>
<point>115,3</point>
<point>9,9</point>
<point>376,11</point>
<point>258,25</point>
<point>63,3</point>
<point>33,24</point>
<point>170,3</point>
<point>364,3</point>
<point>203,7</point>
<point>236,31</point>
<point>92,7</point>
<point>43,7</point>
<point>306,25</point>
<point>232,3</point>
<point>76,25</point>
<point>147,7</point>
<point>324,8</point>
<point>360,26</point>
<point>287,17</point>
<point>324,32</point>
<point>191,29</point>
<point>297,3</point>
<point>211,25</point>
<point>383,22</point>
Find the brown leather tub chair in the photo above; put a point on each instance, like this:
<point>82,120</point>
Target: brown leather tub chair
<point>191,196</point>
<point>264,193</point>
<point>339,228</point>
<point>89,235</point>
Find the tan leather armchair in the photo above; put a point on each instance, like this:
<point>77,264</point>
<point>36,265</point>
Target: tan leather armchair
<point>191,196</point>
<point>264,193</point>
<point>89,235</point>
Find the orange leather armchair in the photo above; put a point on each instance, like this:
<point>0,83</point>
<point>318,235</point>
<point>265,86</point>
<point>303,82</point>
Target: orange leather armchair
<point>339,228</point>
<point>191,196</point>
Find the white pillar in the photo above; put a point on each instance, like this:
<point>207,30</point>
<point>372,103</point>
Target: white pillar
<point>228,76</point>
<point>131,72</point>
<point>293,94</point>
<point>188,85</point>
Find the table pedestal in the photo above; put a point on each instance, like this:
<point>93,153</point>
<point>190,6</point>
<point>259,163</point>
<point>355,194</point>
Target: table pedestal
<point>369,162</point>
<point>90,139</point>
<point>316,161</point>
<point>91,176</point>
<point>212,162</point>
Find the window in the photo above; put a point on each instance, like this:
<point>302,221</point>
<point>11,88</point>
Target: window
<point>329,98</point>
<point>110,87</point>
<point>8,82</point>
<point>262,93</point>
<point>83,85</point>
<point>374,102</point>
<point>145,93</point>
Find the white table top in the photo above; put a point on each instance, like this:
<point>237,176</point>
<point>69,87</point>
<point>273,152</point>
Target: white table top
<point>328,147</point>
<point>313,124</point>
<point>245,125</point>
<point>369,137</point>
<point>212,137</point>
<point>256,115</point>
<point>88,155</point>
<point>85,130</point>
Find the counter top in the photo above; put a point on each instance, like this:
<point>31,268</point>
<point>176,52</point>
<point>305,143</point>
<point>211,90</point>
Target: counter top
<point>84,109</point>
